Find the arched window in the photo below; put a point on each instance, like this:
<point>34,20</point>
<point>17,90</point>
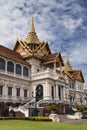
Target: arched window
<point>25,71</point>
<point>10,66</point>
<point>2,64</point>
<point>18,69</point>
<point>39,92</point>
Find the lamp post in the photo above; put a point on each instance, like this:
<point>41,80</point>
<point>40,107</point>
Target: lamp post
<point>70,106</point>
<point>35,111</point>
<point>81,101</point>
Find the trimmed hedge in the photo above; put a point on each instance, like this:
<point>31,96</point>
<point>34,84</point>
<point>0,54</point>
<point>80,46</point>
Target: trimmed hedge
<point>26,118</point>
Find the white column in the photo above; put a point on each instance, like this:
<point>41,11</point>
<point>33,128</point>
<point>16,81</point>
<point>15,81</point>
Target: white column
<point>64,93</point>
<point>22,92</point>
<point>56,92</point>
<point>47,91</point>
<point>5,90</point>
<point>14,92</point>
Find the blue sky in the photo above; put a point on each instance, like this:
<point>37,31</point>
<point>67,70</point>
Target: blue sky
<point>63,23</point>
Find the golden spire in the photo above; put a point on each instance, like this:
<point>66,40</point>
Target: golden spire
<point>32,37</point>
<point>32,28</point>
<point>68,67</point>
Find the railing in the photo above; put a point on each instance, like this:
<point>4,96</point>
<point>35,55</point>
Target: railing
<point>14,75</point>
<point>14,98</point>
<point>44,74</point>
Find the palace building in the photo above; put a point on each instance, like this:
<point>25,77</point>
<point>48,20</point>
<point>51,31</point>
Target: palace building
<point>31,71</point>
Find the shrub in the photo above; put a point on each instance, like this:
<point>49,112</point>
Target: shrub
<point>26,118</point>
<point>52,107</point>
<point>80,107</point>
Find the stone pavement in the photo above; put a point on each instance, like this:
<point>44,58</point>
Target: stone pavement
<point>63,118</point>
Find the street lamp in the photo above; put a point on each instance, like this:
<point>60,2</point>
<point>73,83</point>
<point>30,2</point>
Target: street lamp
<point>81,100</point>
<point>70,106</point>
<point>35,111</point>
<point>70,98</point>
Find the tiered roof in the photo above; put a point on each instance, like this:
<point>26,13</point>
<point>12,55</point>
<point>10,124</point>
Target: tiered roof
<point>71,73</point>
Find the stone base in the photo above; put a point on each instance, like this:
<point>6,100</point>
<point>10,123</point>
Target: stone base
<point>54,117</point>
<point>77,115</point>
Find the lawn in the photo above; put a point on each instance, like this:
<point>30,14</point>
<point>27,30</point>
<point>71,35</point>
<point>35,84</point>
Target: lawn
<point>31,125</point>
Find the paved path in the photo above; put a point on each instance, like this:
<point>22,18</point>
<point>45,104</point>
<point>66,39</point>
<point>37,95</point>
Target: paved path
<point>63,118</point>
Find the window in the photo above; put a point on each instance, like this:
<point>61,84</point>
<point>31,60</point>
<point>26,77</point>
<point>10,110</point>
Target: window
<point>9,91</point>
<point>1,89</point>
<point>25,71</point>
<point>2,64</point>
<point>59,92</point>
<point>52,92</point>
<point>25,93</point>
<point>71,84</point>
<point>18,69</point>
<point>10,66</point>
<point>18,92</point>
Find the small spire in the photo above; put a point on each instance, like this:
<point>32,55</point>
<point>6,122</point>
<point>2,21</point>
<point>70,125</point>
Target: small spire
<point>32,28</point>
<point>68,67</point>
<point>67,58</point>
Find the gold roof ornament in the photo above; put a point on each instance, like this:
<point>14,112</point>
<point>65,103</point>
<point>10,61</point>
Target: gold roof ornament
<point>32,28</point>
<point>68,67</point>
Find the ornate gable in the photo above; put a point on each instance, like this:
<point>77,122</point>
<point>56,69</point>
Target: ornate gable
<point>78,75</point>
<point>53,60</point>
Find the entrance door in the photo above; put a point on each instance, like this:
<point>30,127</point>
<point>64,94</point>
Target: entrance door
<point>39,92</point>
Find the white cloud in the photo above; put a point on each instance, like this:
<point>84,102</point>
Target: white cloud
<point>78,53</point>
<point>72,24</point>
<point>55,21</point>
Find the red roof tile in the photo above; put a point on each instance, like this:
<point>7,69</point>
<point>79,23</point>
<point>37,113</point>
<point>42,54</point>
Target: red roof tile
<point>51,56</point>
<point>9,51</point>
<point>6,52</point>
<point>76,72</point>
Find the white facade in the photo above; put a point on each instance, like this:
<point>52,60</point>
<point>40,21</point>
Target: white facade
<point>55,86</point>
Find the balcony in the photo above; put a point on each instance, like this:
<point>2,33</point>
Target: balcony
<point>44,75</point>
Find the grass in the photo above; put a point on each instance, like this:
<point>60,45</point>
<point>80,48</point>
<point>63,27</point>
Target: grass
<point>32,125</point>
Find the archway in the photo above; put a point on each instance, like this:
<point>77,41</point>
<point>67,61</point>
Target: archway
<point>39,92</point>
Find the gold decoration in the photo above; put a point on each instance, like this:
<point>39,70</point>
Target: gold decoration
<point>68,67</point>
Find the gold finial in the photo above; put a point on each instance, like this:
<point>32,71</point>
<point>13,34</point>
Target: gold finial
<point>32,28</point>
<point>67,57</point>
<point>32,8</point>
